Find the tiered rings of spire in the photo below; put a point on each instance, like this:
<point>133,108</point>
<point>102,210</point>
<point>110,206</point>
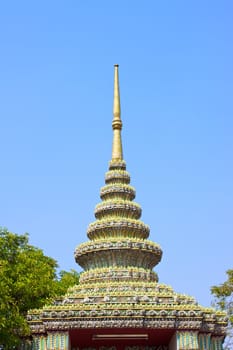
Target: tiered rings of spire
<point>118,249</point>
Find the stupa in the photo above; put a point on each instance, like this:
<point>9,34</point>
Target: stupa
<point>119,304</point>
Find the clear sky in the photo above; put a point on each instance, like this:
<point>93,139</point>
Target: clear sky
<point>176,78</point>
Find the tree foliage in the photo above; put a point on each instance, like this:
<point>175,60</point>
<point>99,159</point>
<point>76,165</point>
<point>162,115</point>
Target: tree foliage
<point>28,280</point>
<point>66,280</point>
<point>224,300</point>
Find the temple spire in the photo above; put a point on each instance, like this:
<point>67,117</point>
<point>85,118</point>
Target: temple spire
<point>117,152</point>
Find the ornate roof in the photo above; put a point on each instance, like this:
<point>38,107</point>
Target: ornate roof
<point>118,288</point>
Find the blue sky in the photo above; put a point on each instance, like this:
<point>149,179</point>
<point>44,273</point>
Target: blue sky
<point>176,78</point>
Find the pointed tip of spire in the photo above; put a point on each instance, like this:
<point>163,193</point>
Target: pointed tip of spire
<point>116,123</point>
<point>116,99</point>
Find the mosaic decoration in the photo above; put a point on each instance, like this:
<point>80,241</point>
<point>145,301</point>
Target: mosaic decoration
<point>187,340</point>
<point>57,341</point>
<point>216,343</point>
<point>205,341</point>
<point>118,288</point>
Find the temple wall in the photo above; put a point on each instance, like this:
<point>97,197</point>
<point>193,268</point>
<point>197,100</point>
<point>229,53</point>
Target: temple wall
<point>117,347</point>
<point>182,340</point>
<point>173,343</point>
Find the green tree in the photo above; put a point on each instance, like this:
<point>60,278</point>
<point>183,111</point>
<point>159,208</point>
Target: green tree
<point>224,300</point>
<point>66,280</point>
<point>28,280</point>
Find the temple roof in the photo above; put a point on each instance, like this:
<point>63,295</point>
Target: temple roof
<point>119,288</point>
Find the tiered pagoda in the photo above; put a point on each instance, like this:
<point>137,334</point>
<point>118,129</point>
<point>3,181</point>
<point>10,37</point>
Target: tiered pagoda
<point>119,304</point>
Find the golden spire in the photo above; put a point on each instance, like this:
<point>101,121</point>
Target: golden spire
<point>117,153</point>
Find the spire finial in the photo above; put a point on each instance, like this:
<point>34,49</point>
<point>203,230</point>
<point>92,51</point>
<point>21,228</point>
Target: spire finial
<point>117,153</point>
